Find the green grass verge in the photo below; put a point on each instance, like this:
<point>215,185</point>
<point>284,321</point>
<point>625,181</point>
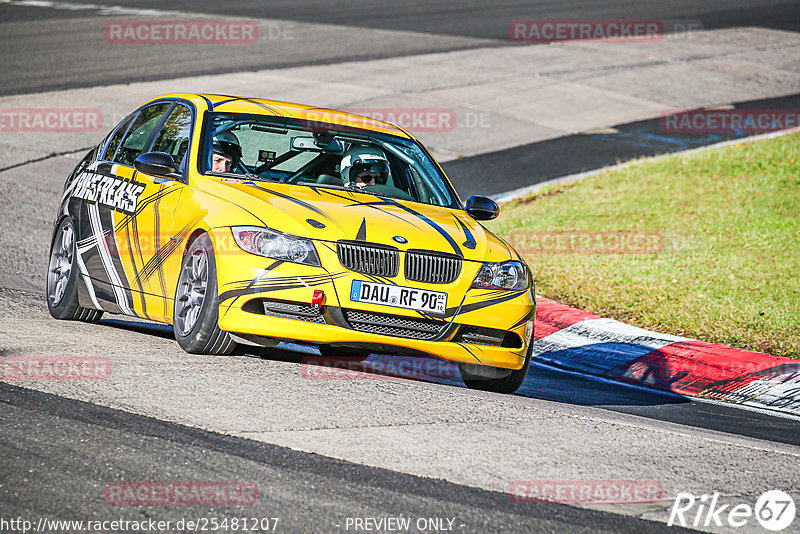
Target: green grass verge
<point>729,221</point>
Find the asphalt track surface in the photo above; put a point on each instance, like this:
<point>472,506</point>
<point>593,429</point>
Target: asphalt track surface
<point>552,384</point>
<point>307,492</point>
<point>57,453</point>
<point>46,48</point>
<point>470,18</point>
<point>538,162</point>
<point>549,383</point>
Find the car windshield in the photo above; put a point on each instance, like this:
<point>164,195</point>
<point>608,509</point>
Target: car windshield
<point>322,155</point>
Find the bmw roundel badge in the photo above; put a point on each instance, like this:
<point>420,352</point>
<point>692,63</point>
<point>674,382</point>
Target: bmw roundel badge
<point>400,239</point>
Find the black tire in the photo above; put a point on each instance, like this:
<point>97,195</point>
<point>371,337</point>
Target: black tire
<point>62,278</point>
<point>195,315</point>
<point>504,383</point>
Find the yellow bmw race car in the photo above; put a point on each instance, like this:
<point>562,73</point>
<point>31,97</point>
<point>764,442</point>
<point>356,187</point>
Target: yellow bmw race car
<point>231,217</point>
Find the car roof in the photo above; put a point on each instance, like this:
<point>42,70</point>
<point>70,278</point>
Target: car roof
<point>277,108</point>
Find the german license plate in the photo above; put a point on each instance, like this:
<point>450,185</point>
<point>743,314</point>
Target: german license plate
<point>410,298</point>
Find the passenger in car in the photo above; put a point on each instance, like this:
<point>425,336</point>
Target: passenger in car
<point>363,166</point>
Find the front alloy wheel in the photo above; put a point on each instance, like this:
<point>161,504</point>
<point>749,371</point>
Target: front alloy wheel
<point>191,294</point>
<point>196,312</point>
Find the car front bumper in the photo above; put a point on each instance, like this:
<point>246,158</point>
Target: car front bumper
<point>268,299</point>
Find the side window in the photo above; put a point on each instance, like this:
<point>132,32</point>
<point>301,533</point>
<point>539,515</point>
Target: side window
<point>116,137</point>
<point>143,125</point>
<point>174,136</point>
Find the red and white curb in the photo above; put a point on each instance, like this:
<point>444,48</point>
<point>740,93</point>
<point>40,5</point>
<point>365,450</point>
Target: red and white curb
<point>573,339</point>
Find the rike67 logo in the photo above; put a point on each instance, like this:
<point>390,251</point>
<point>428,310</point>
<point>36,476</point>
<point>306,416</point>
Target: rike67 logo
<point>774,510</point>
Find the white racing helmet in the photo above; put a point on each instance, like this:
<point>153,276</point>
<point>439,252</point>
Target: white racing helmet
<point>361,158</point>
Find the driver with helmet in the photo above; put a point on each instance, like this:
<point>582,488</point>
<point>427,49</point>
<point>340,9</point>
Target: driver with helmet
<point>362,166</point>
<point>226,152</point>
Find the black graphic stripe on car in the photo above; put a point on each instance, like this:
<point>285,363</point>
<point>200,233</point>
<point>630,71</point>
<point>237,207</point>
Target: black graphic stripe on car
<point>484,303</point>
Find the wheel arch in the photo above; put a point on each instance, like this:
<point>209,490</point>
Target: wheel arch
<point>202,228</point>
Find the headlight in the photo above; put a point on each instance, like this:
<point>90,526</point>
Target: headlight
<point>272,244</point>
<point>510,275</point>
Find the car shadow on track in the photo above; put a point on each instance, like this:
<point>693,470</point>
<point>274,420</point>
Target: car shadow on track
<point>140,326</point>
<point>543,382</point>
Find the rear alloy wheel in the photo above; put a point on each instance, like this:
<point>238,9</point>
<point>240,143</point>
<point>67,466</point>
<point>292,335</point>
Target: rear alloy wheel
<point>62,278</point>
<point>495,379</point>
<point>196,310</point>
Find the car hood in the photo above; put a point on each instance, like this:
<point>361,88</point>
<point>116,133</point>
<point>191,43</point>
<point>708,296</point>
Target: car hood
<point>333,214</point>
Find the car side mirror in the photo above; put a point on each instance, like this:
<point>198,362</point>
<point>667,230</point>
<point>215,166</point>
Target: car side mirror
<point>481,208</point>
<point>156,163</point>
